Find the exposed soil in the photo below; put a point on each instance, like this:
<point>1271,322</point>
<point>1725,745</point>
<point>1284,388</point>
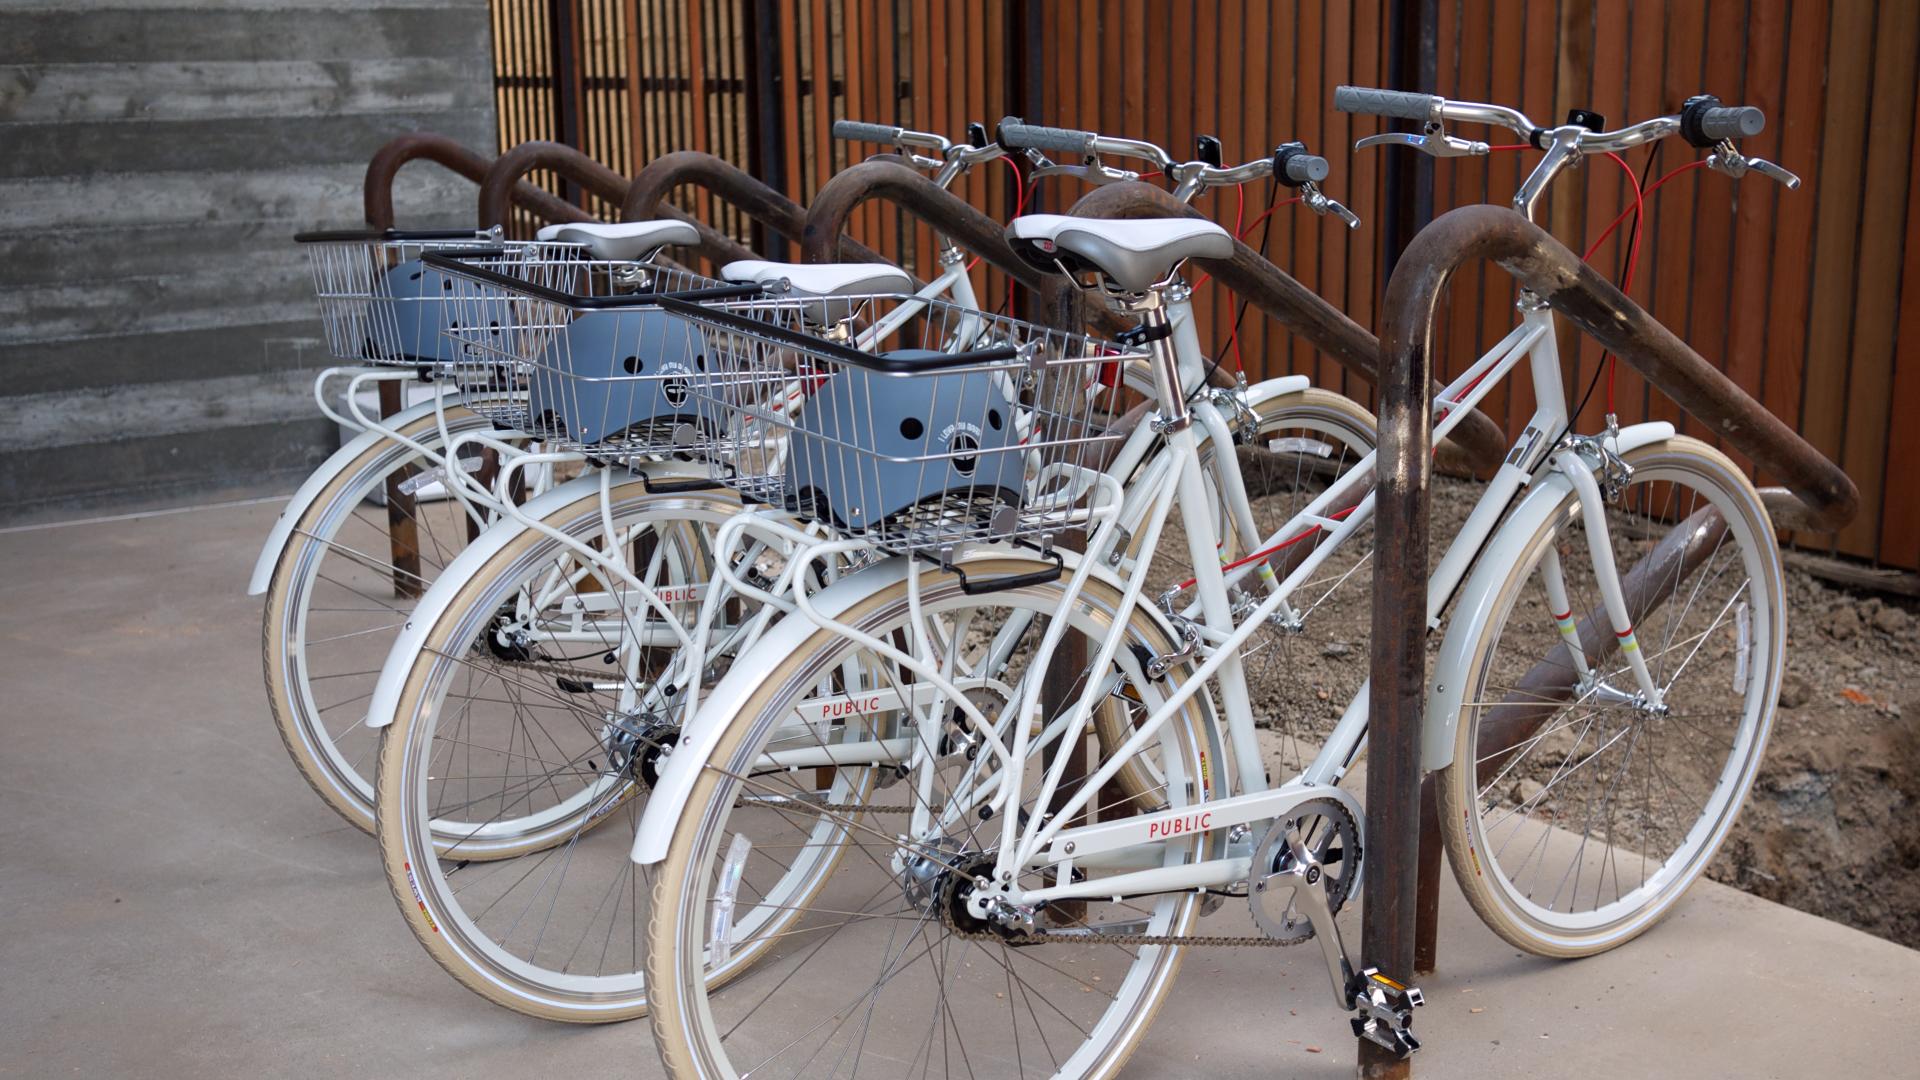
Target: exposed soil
<point>1832,825</point>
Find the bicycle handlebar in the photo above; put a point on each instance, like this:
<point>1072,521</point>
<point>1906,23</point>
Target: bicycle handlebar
<point>953,157</point>
<point>1019,135</point>
<point>859,131</point>
<point>1397,104</point>
<point>1703,120</point>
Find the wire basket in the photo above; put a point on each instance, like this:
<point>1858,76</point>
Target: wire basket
<point>595,366</point>
<point>912,424</point>
<point>381,305</point>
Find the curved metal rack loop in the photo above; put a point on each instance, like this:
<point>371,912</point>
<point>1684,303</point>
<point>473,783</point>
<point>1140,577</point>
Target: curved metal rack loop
<point>646,197</point>
<point>377,194</point>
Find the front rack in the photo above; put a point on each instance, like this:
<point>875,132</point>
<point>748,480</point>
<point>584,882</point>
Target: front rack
<point>589,364</point>
<point>912,424</point>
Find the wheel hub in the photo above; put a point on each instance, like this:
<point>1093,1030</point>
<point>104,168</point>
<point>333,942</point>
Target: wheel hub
<point>638,744</point>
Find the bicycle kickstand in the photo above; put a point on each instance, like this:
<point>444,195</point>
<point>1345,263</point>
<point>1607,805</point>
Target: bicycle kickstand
<point>1382,1007</point>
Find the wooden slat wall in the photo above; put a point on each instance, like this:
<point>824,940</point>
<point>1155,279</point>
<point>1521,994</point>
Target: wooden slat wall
<point>1809,300</point>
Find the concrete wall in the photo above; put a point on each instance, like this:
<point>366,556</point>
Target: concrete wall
<point>157,340</point>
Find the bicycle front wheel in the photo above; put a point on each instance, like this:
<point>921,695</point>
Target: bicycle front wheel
<point>1577,812</point>
<point>885,967</point>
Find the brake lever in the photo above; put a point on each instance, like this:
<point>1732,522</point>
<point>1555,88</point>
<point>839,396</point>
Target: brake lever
<point>1728,160</point>
<point>1435,143</point>
<point>1318,202</point>
<point>1092,174</point>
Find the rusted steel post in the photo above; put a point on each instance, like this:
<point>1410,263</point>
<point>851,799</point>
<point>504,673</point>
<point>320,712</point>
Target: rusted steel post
<point>1399,671</point>
<point>1302,311</point>
<point>403,523</point>
<point>891,179</point>
<point>646,198</point>
<point>377,191</point>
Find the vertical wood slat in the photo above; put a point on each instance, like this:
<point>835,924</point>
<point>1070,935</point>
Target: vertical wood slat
<point>1837,234</point>
<point>1883,211</point>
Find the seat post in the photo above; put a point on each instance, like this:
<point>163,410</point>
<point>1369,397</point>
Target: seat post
<point>1156,333</point>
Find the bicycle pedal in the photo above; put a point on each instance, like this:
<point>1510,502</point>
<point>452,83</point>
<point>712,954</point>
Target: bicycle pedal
<point>1384,1011</point>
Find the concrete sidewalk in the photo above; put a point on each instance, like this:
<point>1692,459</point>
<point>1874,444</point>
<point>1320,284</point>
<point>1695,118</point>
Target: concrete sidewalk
<point>174,902</point>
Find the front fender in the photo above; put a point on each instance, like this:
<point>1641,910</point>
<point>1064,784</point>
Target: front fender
<point>724,703</point>
<point>1477,597</point>
<point>329,471</point>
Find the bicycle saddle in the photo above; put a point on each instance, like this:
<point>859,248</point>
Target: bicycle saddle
<point>1133,254</point>
<point>621,241</point>
<point>822,279</point>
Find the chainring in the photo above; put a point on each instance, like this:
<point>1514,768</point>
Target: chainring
<point>1331,836</point>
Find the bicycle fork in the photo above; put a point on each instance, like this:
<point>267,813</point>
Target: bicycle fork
<point>1593,509</point>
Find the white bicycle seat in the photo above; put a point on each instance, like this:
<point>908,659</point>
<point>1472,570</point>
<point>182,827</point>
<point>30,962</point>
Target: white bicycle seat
<point>822,279</point>
<point>621,241</point>
<point>1132,253</point>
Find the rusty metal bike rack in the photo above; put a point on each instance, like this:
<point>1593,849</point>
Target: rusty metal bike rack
<point>596,179</point>
<point>377,203</point>
<point>449,154</point>
<point>1401,898</point>
<point>646,198</point>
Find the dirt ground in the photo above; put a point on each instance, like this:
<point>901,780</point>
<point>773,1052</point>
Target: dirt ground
<point>1832,825</point>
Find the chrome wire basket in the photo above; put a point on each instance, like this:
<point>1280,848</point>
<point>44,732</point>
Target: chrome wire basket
<point>912,424</point>
<point>593,365</point>
<point>381,305</point>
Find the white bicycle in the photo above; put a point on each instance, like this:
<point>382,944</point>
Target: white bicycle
<point>1019,899</point>
<point>544,678</point>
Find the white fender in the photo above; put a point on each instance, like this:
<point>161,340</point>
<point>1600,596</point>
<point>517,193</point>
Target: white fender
<point>386,692</point>
<point>327,473</point>
<point>1267,389</point>
<point>1475,608</point>
<point>723,704</point>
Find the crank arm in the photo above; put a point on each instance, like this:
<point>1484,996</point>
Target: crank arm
<point>1383,1008</point>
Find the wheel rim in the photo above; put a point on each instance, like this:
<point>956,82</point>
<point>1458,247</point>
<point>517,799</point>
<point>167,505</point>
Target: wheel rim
<point>1594,823</point>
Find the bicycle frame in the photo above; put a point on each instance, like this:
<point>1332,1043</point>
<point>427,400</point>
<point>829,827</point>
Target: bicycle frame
<point>1177,475</point>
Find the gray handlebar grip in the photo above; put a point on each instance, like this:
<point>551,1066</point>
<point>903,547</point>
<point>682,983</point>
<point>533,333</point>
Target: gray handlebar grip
<point>1305,168</point>
<point>1034,136</point>
<point>856,131</point>
<point>1732,122</point>
<point>1394,103</point>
